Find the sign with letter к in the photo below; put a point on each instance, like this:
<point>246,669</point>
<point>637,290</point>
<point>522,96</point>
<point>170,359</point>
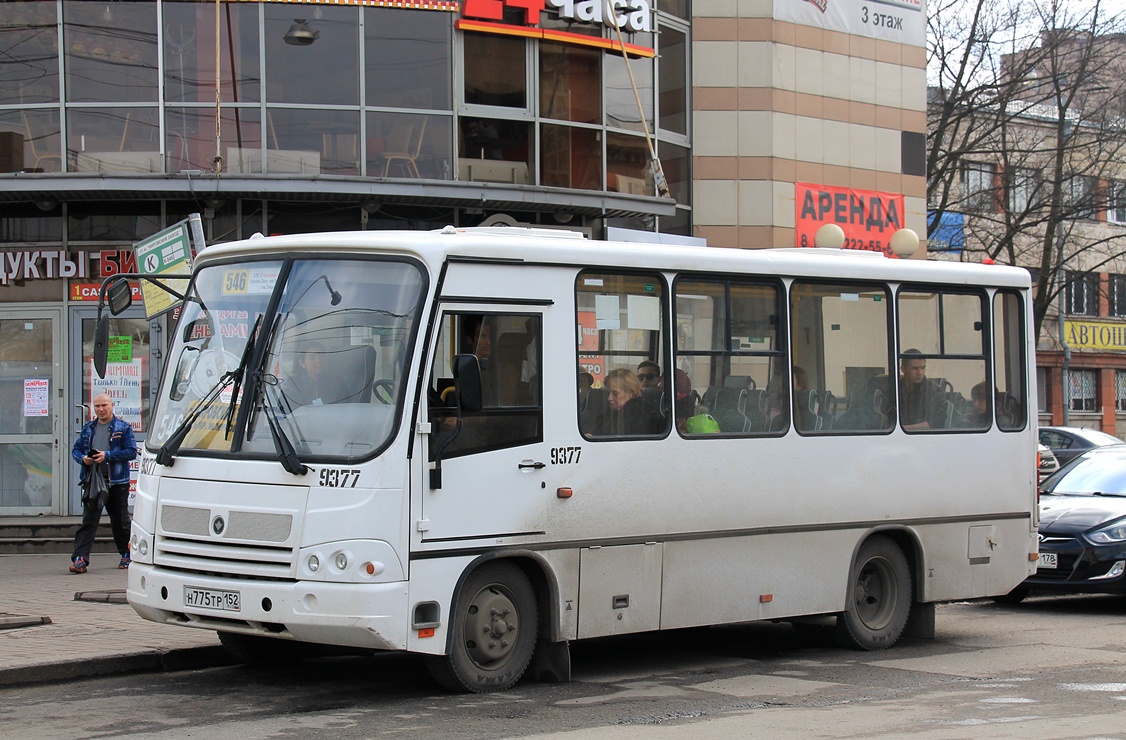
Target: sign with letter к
<point>163,254</point>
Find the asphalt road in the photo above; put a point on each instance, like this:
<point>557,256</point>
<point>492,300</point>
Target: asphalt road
<point>1051,667</point>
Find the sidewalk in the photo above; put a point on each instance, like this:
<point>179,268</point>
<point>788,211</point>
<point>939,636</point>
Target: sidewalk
<point>56,625</point>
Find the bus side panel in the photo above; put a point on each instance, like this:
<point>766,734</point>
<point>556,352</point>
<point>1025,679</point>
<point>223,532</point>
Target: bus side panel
<point>433,580</point>
<point>739,579</point>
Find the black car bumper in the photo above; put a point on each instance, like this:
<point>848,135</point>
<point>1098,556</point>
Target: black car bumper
<point>1080,567</point>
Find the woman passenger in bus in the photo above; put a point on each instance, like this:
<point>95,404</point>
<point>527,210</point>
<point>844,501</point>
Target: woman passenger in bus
<point>625,413</point>
<point>313,383</point>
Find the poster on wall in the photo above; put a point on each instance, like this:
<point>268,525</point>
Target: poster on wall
<point>867,217</point>
<point>901,21</point>
<point>36,396</point>
<point>123,384</point>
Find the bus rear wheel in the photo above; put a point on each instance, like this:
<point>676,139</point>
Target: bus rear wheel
<point>494,624</point>
<point>879,597</point>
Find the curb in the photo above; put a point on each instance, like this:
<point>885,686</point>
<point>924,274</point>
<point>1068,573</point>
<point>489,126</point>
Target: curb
<point>179,659</point>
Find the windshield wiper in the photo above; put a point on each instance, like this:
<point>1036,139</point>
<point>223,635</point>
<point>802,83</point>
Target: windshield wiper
<point>167,453</point>
<point>247,352</point>
<point>287,455</point>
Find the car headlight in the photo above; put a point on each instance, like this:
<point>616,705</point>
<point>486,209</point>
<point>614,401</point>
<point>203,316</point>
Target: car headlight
<point>1109,534</point>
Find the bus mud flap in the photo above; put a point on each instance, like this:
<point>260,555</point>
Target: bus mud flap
<point>551,663</point>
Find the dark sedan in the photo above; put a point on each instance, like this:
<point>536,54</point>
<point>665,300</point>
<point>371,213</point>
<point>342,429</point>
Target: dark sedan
<point>1082,527</point>
<point>1068,443</point>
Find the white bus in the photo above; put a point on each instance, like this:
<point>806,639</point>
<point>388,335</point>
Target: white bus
<point>440,443</point>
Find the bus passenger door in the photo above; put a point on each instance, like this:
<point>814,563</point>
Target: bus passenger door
<point>492,469</point>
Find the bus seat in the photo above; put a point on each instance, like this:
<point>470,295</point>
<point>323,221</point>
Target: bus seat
<point>654,405</point>
<point>595,407</point>
<point>739,381</point>
<point>356,365</point>
<point>729,410</point>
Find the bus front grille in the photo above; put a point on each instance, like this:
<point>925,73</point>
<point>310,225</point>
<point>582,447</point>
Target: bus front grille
<point>234,559</point>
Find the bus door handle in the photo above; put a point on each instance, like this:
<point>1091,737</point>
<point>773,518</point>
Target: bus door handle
<point>531,465</point>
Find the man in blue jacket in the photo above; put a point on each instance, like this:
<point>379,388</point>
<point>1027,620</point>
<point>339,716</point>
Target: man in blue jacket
<point>108,441</point>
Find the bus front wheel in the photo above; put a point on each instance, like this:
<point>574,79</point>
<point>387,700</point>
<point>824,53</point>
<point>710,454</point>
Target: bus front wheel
<point>494,626</point>
<point>879,597</point>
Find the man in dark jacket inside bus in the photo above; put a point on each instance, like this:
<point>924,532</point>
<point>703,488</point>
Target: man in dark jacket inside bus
<point>922,403</point>
<point>105,440</point>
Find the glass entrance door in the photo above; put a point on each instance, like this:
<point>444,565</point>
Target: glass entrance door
<point>131,367</point>
<point>29,412</point>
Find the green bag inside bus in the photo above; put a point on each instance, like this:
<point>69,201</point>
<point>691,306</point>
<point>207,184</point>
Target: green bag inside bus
<point>702,424</point>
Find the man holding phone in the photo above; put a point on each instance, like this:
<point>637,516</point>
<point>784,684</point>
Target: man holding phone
<point>108,441</point>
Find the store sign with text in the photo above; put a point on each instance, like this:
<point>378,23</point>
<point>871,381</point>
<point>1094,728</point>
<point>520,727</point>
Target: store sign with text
<point>632,16</point>
<point>867,217</point>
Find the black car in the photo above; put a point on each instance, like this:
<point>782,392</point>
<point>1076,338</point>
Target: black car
<point>1082,527</point>
<point>1068,443</point>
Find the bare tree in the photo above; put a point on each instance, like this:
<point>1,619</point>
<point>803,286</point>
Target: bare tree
<point>1026,134</point>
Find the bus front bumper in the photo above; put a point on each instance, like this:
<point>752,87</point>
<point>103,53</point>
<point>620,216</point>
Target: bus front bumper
<point>356,615</point>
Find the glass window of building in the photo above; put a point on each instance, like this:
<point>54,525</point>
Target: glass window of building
<point>494,150</point>
<point>673,71</point>
<point>1116,202</point>
<point>311,141</point>
<point>312,54</point>
<point>29,37</point>
<point>621,103</point>
<point>1083,386</point>
<point>495,71</point>
<point>627,164</point>
<point>111,52</point>
<point>106,139</point>
<point>1082,293</point>
<point>977,185</point>
<point>189,53</point>
<point>407,58</point>
<point>1023,184</point>
<point>189,135</point>
<point>1119,390</point>
<point>570,83</point>
<point>409,145</point>
<point>1116,293</point>
<point>570,157</point>
<point>33,134</point>
<point>123,221</point>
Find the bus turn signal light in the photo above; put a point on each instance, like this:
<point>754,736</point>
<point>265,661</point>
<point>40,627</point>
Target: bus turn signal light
<point>563,492</point>
<point>427,632</point>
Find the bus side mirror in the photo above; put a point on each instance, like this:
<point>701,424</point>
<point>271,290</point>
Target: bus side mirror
<point>467,376</point>
<point>101,346</point>
<point>120,296</point>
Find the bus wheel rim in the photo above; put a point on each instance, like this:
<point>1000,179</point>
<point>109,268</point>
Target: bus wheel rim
<point>875,595</point>
<point>491,626</point>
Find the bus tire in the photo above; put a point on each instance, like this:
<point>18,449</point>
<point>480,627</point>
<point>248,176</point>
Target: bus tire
<point>263,652</point>
<point>494,623</point>
<point>879,597</point>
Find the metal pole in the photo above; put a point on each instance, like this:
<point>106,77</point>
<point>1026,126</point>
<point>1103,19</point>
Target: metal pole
<point>1061,307</point>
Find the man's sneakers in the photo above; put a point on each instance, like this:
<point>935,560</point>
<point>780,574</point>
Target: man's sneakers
<point>125,560</point>
<point>79,565</point>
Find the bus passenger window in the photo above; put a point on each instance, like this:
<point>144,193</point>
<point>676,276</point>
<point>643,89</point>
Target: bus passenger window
<point>841,348</point>
<point>622,346</point>
<point>943,383</point>
<point>1009,369</point>
<point>727,347</point>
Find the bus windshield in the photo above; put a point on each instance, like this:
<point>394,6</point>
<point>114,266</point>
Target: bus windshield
<point>324,367</point>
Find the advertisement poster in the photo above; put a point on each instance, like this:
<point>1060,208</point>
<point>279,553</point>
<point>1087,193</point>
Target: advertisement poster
<point>123,384</point>
<point>867,217</point>
<point>901,21</point>
<point>36,398</point>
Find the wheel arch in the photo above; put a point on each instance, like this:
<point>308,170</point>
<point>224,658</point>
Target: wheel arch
<point>540,575</point>
<point>908,542</point>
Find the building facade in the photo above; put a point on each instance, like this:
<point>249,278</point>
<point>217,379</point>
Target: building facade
<point>121,118</point>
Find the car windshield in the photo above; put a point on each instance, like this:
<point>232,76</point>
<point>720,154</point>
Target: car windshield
<point>1091,475</point>
<point>331,358</point>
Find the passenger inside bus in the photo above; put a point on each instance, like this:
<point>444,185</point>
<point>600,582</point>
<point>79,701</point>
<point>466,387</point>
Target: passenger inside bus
<point>922,404</point>
<point>625,411</point>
